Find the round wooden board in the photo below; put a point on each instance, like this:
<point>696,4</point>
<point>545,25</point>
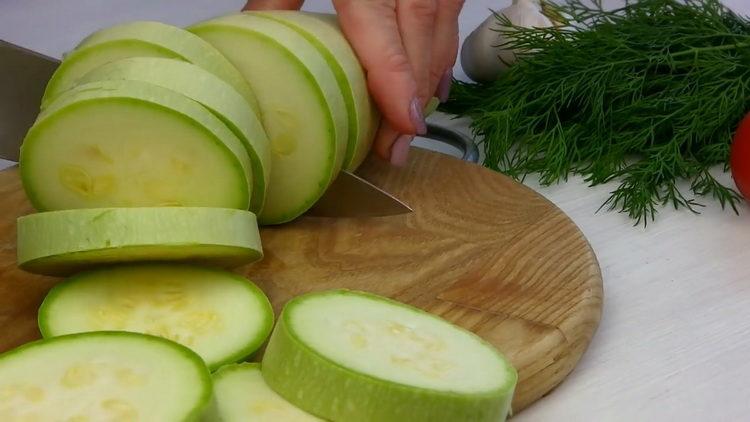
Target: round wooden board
<point>479,249</point>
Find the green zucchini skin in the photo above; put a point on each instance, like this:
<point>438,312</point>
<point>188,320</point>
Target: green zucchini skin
<point>330,390</point>
<point>68,241</point>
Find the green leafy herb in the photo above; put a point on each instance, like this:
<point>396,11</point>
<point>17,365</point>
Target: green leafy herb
<point>647,95</point>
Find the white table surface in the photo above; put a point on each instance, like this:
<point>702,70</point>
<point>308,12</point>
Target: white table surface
<point>674,340</point>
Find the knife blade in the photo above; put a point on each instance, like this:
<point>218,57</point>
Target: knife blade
<point>24,75</point>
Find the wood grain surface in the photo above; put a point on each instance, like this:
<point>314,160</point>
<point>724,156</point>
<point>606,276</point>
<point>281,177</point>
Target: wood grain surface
<point>480,250</point>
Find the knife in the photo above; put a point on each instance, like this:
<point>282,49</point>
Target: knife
<point>24,75</point>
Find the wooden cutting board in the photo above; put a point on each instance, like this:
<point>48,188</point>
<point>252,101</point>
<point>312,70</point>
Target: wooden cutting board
<point>480,250</point>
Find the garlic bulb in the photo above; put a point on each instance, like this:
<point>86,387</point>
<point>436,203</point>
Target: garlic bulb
<point>480,50</point>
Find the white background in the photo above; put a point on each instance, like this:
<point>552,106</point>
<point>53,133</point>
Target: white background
<point>674,341</point>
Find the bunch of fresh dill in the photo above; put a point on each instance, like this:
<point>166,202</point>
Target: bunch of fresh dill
<point>647,95</point>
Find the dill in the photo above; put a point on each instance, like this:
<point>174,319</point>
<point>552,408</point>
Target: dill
<point>647,95</point>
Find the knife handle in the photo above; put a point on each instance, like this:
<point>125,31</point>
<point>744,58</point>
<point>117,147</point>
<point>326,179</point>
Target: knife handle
<point>455,139</point>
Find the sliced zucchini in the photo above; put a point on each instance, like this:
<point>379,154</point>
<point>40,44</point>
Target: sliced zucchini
<point>213,93</point>
<point>352,356</point>
<point>103,376</point>
<point>241,394</point>
<point>303,110</point>
<point>143,39</point>
<point>323,31</point>
<point>219,315</point>
<point>128,144</point>
<point>63,242</point>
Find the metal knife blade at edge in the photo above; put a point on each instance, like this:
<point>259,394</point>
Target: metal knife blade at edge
<point>24,75</point>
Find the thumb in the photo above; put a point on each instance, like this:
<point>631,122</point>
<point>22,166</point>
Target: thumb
<point>371,27</point>
<point>273,5</point>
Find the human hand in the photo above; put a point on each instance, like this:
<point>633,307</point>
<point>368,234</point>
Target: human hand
<point>407,48</point>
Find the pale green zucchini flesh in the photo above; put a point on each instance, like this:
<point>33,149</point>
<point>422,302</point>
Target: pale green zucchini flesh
<point>142,39</point>
<point>213,93</point>
<point>351,356</point>
<point>129,143</point>
<point>303,110</point>
<point>323,31</point>
<point>241,394</point>
<point>103,376</point>
<point>219,315</point>
<point>63,242</point>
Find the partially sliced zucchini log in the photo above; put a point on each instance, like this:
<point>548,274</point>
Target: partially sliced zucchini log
<point>213,93</point>
<point>351,356</point>
<point>103,376</point>
<point>219,315</point>
<point>63,242</point>
<point>303,110</point>
<point>142,39</point>
<point>241,395</point>
<point>129,143</point>
<point>323,31</point>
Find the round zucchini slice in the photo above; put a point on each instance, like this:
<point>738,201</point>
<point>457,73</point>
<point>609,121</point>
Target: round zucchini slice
<point>241,394</point>
<point>352,356</point>
<point>142,39</point>
<point>219,315</point>
<point>103,376</point>
<point>324,32</point>
<point>64,242</point>
<point>213,93</point>
<point>303,110</point>
<point>128,144</point>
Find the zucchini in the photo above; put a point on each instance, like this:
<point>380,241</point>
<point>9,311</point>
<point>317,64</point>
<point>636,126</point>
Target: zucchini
<point>303,110</point>
<point>142,39</point>
<point>103,376</point>
<point>241,394</point>
<point>64,242</point>
<point>352,356</point>
<point>128,144</point>
<point>323,32</point>
<point>213,93</point>
<point>219,315</point>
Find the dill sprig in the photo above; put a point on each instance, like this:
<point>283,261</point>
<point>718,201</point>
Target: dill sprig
<point>647,95</point>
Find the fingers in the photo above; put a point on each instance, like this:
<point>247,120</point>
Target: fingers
<point>371,26</point>
<point>416,20</point>
<point>444,47</point>
<point>273,5</point>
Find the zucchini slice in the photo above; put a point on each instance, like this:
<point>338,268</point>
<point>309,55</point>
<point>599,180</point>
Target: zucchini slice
<point>324,32</point>
<point>213,93</point>
<point>303,110</point>
<point>103,376</point>
<point>128,144</point>
<point>63,242</point>
<point>241,394</point>
<point>218,314</point>
<point>352,356</point>
<point>143,39</point>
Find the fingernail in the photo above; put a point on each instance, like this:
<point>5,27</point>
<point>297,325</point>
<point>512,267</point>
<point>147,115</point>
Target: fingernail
<point>417,118</point>
<point>400,150</point>
<point>444,86</point>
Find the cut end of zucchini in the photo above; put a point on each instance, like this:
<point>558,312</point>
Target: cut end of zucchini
<point>219,315</point>
<point>304,113</point>
<point>381,360</point>
<point>241,394</point>
<point>324,33</point>
<point>210,91</point>
<point>129,143</point>
<point>63,242</point>
<point>103,376</point>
